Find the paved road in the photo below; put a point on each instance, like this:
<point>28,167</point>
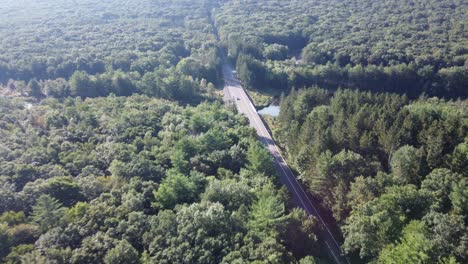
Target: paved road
<point>233,92</point>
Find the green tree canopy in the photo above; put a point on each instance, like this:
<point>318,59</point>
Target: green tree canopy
<point>174,189</point>
<point>47,212</point>
<point>259,159</point>
<point>122,253</point>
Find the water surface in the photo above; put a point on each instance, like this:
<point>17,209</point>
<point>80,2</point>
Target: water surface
<point>271,110</point>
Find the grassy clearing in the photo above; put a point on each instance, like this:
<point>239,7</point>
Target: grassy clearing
<point>265,97</point>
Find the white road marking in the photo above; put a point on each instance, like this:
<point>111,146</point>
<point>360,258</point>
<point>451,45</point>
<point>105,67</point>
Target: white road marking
<point>273,148</point>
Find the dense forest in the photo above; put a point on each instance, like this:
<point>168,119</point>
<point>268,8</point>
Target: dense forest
<point>116,148</point>
<point>411,47</point>
<point>117,179</point>
<point>158,48</point>
<point>393,171</point>
<point>406,47</point>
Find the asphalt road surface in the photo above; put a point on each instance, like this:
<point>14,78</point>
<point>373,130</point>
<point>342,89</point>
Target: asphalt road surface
<point>234,93</point>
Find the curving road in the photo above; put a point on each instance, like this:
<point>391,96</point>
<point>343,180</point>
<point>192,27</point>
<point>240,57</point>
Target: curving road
<point>234,93</point>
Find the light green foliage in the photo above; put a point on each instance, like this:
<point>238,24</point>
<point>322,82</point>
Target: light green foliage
<point>175,189</point>
<point>231,193</point>
<point>94,248</point>
<point>260,159</point>
<point>436,239</point>
<point>47,212</point>
<point>122,253</point>
<point>81,85</point>
<point>406,165</point>
<point>275,52</point>
<point>413,248</point>
<point>441,183</point>
<point>365,189</point>
<point>202,231</point>
<point>459,197</point>
<point>447,233</point>
<point>116,170</point>
<point>459,158</point>
<point>33,257</point>
<point>17,253</point>
<point>77,211</point>
<point>307,260</point>
<point>449,260</point>
<point>13,218</point>
<point>159,182</point>
<point>373,225</point>
<point>267,213</point>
